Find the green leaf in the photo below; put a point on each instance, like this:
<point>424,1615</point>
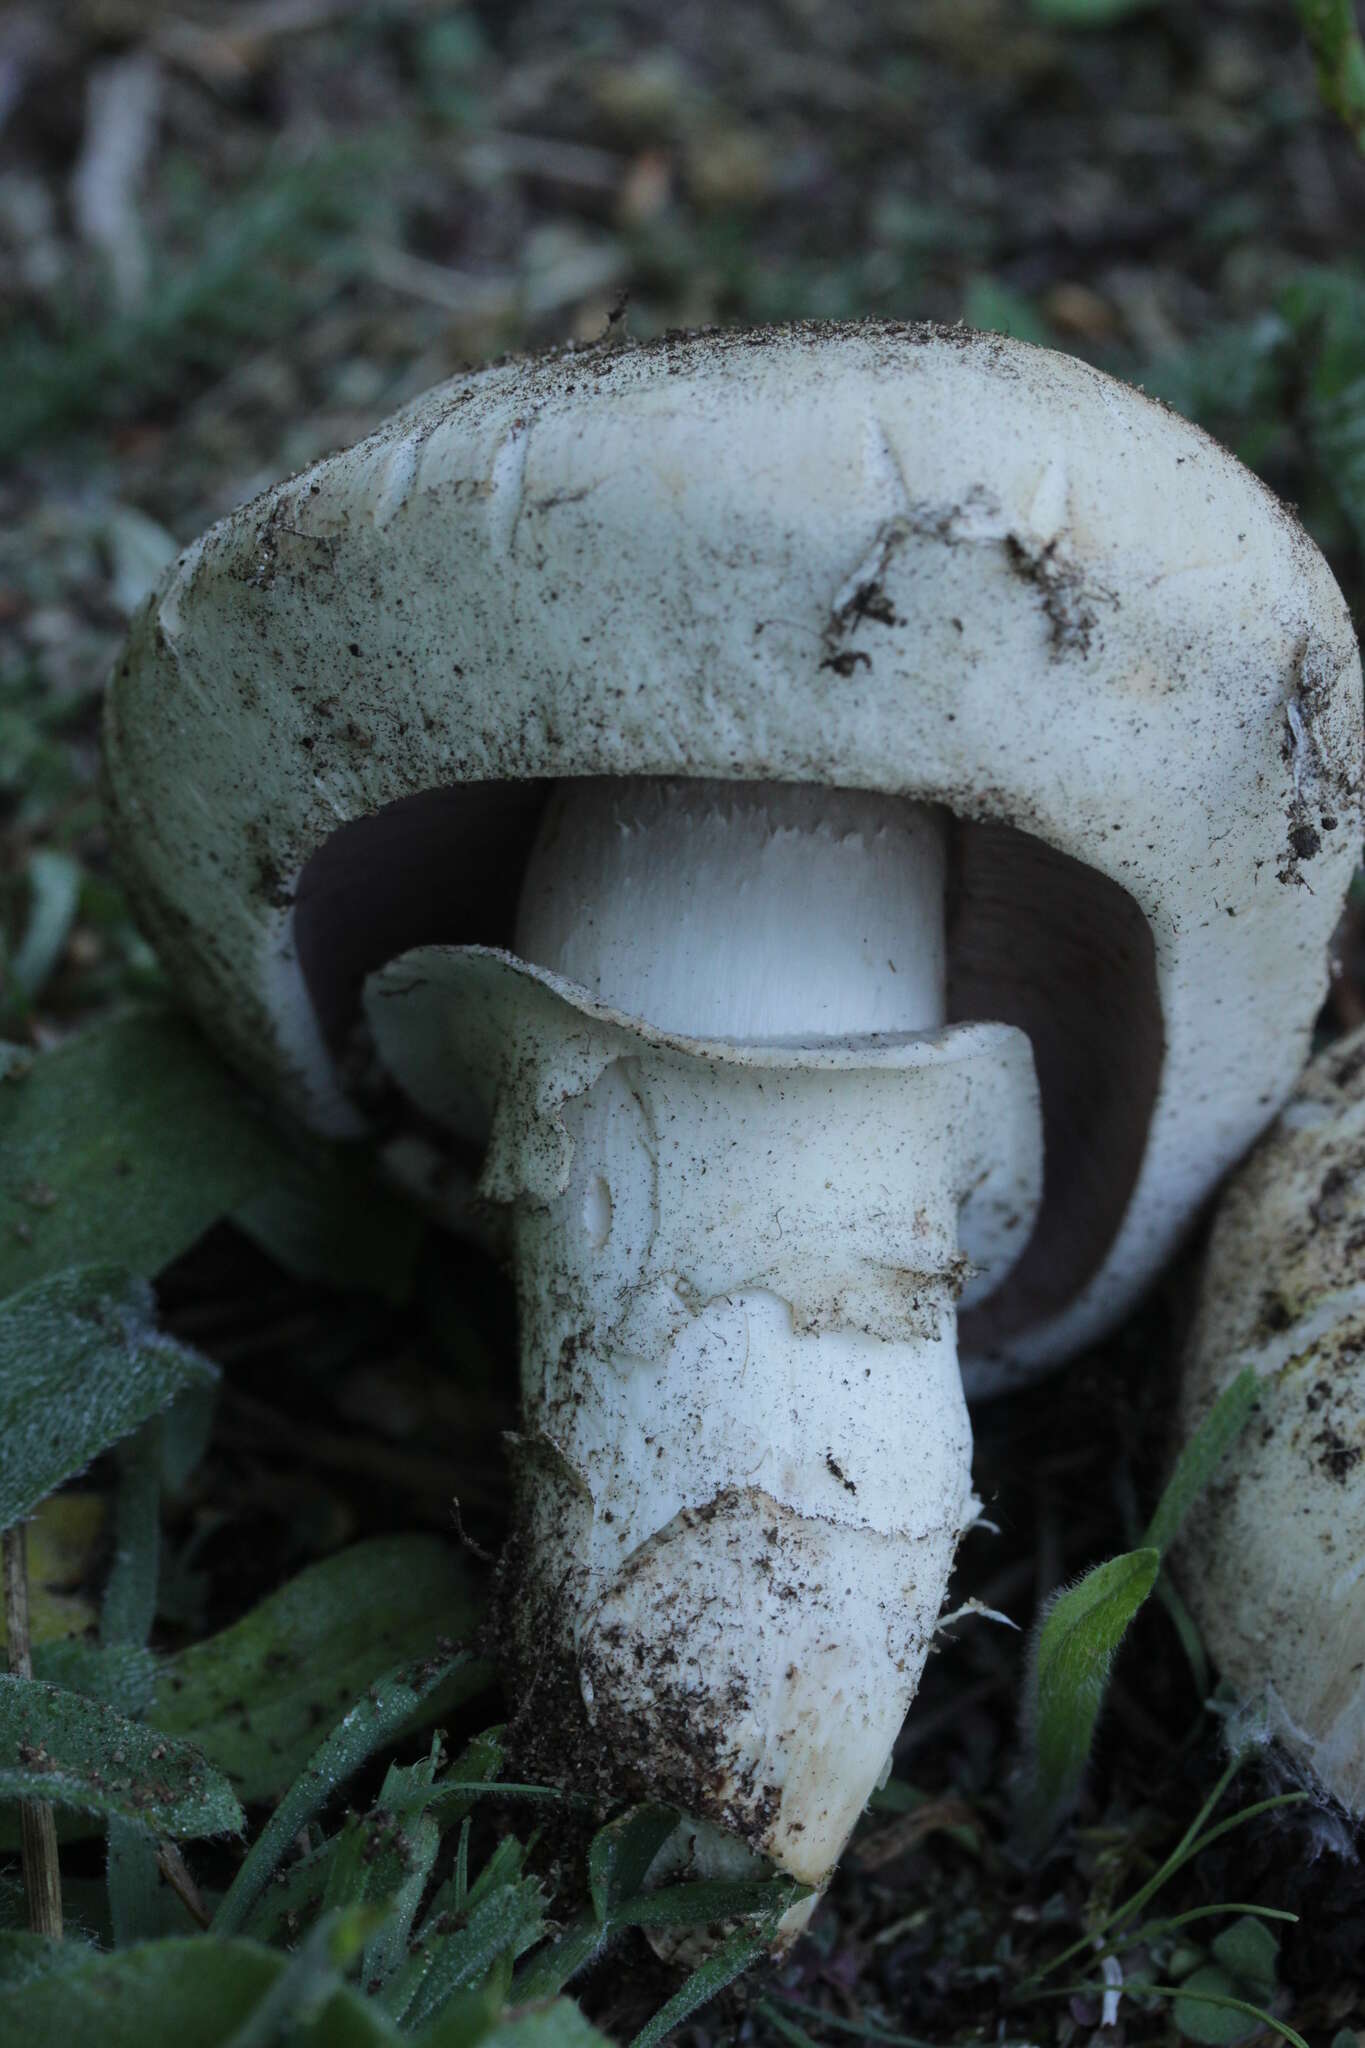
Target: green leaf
<point>123,1145</point>
<point>1211,2010</point>
<point>1201,1458</point>
<point>560,2025</point>
<point>293,1899</point>
<point>621,1853</point>
<point>310,1982</point>
<point>129,1607</point>
<point>466,2021</point>
<point>306,1653</point>
<point>134,1884</point>
<point>1072,1650</point>
<point>712,1899</point>
<point>497,1928</point>
<point>26,1957</point>
<point>186,1428</point>
<point>382,1862</point>
<point>127,1142</point>
<point>721,1967</point>
<point>421,1690</point>
<point>341,1226</point>
<point>121,1675</point>
<point>551,1968</point>
<point>195,1993</point>
<point>70,1751</point>
<point>81,1366</point>
<point>473,1776</point>
<point>1249,1952</point>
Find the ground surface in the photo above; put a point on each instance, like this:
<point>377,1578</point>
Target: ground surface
<point>231,239</point>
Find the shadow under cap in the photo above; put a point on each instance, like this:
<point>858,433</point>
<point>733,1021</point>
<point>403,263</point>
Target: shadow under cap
<point>1035,939</point>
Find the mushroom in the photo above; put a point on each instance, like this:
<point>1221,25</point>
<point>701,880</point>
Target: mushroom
<point>836,832</point>
<point>1272,1561</point>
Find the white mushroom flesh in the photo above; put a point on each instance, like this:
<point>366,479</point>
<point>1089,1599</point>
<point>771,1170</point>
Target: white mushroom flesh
<point>1273,1560</point>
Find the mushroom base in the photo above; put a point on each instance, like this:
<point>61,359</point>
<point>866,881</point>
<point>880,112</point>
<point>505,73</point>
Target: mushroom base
<point>745,1460</point>
<point>750,1665</point>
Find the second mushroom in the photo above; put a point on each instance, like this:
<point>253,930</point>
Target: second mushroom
<point>825,842</point>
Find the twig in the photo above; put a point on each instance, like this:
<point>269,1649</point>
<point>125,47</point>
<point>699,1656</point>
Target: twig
<point>176,1872</point>
<point>38,1828</point>
<point>467,1541</point>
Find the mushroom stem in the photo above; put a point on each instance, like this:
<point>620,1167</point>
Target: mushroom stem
<point>760,913</point>
<point>745,1464</point>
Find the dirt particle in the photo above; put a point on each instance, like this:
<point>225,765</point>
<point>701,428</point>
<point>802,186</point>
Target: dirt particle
<point>833,1466</point>
<point>1338,1457</point>
<point>847,663</point>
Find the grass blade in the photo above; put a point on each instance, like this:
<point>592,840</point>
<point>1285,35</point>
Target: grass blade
<point>1200,1459</point>
<point>387,1709</point>
<point>721,1967</point>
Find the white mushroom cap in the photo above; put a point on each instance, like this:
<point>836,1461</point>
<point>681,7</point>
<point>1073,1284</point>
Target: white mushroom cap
<point>1273,1561</point>
<point>879,557</point>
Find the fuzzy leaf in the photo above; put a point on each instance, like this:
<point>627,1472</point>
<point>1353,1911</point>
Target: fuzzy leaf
<point>1072,1650</point>
<point>81,1366</point>
<point>120,1675</point>
<point>123,1145</point>
<point>26,1957</point>
<point>69,1751</point>
<point>196,1993</point>
<point>310,1650</point>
